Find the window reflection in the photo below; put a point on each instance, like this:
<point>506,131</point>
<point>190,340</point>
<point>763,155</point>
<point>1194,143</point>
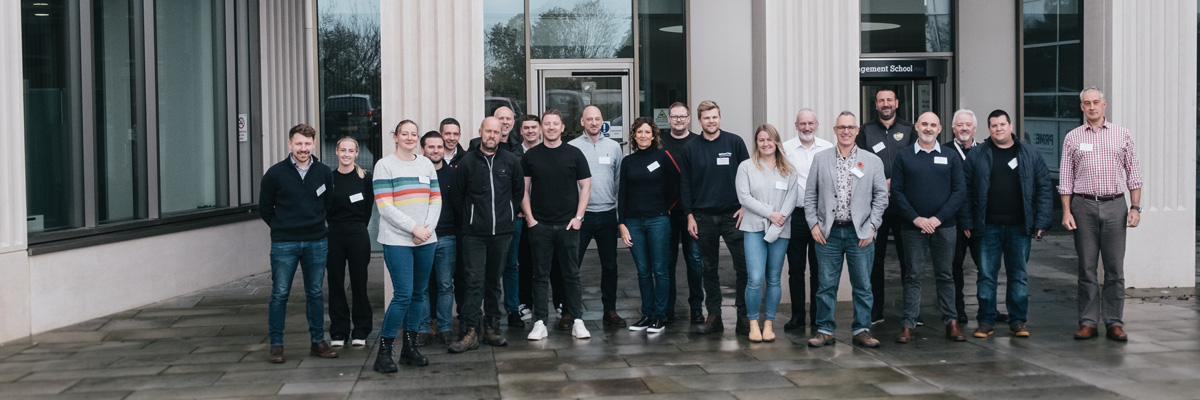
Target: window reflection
<point>906,26</point>
<point>120,139</point>
<point>348,57</point>
<point>504,57</point>
<point>1053,73</point>
<point>581,29</point>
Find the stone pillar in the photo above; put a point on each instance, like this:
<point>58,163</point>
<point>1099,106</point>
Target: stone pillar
<point>288,45</point>
<point>14,261</point>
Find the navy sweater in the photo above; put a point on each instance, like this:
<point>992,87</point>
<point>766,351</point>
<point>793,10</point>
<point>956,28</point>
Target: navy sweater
<point>928,184</point>
<point>295,208</point>
<point>708,170</point>
<point>649,185</point>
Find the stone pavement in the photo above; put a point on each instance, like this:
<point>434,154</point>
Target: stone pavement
<point>212,344</point>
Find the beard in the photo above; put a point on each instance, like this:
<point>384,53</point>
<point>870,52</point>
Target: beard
<point>806,137</point>
<point>930,139</point>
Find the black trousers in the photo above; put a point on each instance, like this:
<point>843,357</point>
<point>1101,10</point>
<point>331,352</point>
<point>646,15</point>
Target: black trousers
<point>349,243</point>
<point>891,224</point>
<point>802,248</point>
<point>712,228</point>
<point>486,257</point>
<point>602,226</point>
<point>960,255</point>
<point>549,242</point>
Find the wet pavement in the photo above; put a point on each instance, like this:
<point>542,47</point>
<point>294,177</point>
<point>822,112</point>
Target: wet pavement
<point>212,344</point>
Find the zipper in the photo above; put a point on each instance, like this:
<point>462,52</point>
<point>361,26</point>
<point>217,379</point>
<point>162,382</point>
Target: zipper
<point>471,220</point>
<point>492,186</point>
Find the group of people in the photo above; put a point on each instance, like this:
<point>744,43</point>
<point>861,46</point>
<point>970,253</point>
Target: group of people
<point>495,228</point>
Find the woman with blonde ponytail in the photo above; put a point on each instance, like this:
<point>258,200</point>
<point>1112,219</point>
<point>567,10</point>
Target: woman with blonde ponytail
<point>349,243</point>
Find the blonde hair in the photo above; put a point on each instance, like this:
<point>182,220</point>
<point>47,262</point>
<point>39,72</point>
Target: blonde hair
<point>357,169</point>
<point>781,162</point>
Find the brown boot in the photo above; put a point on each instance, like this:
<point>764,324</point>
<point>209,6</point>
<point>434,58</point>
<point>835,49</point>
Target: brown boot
<point>906,335</point>
<point>953,333</point>
<point>469,341</point>
<point>1085,332</point>
<point>491,335</point>
<point>612,319</point>
<point>275,354</point>
<point>1117,333</point>
<point>565,322</point>
<point>711,324</point>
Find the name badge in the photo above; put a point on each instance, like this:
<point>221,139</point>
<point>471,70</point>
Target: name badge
<point>423,179</point>
<point>357,197</point>
<point>722,160</point>
<point>857,172</point>
<point>878,147</point>
<point>605,160</point>
<point>1012,164</point>
<point>780,185</point>
<point>653,166</point>
<point>1085,147</point>
<point>939,160</point>
<point>321,190</point>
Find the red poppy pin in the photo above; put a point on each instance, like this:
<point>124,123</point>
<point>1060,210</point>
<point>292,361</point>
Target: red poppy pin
<point>860,165</point>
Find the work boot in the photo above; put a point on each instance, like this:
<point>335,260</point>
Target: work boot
<point>711,324</point>
<point>322,349</point>
<point>409,354</point>
<point>468,341</point>
<point>383,361</point>
<point>491,335</point>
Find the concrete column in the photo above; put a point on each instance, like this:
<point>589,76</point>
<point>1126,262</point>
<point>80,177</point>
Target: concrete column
<point>986,57</point>
<point>288,43</point>
<point>1153,93</point>
<point>717,70</point>
<point>14,261</point>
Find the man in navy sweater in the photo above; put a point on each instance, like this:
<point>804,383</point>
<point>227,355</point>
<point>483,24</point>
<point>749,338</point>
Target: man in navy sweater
<point>927,188</point>
<point>293,202</point>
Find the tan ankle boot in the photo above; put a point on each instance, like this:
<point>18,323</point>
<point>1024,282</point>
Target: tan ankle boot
<point>768,331</point>
<point>755,334</point>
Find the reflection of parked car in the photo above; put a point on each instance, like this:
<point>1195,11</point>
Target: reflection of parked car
<point>491,103</point>
<point>350,115</point>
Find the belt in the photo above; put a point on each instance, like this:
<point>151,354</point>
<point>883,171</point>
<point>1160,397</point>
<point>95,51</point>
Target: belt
<point>843,224</point>
<point>1100,198</point>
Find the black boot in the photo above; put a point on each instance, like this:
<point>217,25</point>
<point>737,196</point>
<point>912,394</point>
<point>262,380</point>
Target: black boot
<point>383,361</point>
<point>492,336</point>
<point>409,354</point>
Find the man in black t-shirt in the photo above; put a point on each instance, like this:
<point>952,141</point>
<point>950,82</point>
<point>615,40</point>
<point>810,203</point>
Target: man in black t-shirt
<point>557,183</point>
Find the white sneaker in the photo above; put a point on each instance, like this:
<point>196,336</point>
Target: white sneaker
<point>337,343</point>
<point>538,332</point>
<point>358,342</point>
<point>580,331</point>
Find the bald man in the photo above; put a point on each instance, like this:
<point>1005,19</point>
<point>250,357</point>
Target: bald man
<point>507,118</point>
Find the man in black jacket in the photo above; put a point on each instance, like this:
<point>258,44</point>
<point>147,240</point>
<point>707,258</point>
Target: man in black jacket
<point>1009,198</point>
<point>490,187</point>
<point>293,202</point>
<point>963,127</point>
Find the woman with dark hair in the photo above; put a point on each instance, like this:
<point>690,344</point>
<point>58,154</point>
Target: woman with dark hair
<point>349,243</point>
<point>648,188</point>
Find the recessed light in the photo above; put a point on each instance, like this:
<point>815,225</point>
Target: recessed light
<point>41,15</point>
<point>672,29</point>
<point>877,26</point>
<point>41,4</point>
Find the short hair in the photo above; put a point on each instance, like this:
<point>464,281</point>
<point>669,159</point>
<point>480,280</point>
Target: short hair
<point>407,121</point>
<point>637,123</point>
<point>847,113</point>
<point>302,129</point>
<point>708,105</point>
<point>805,110</point>
<point>1096,88</point>
<point>430,134</point>
<point>448,121</point>
<point>554,112</point>
<point>677,104</point>
<point>530,117</point>
<point>974,120</point>
<point>998,113</point>
<point>877,92</point>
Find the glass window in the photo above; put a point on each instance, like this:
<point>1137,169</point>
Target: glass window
<point>120,137</point>
<point>1053,73</point>
<point>906,26</point>
<point>662,44</point>
<point>190,57</point>
<point>581,29</point>
<point>504,56</point>
<point>348,55</point>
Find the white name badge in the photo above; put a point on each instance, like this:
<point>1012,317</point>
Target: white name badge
<point>722,160</point>
<point>1012,164</point>
<point>1085,147</point>
<point>878,147</point>
<point>939,160</point>
<point>423,179</point>
<point>780,185</point>
<point>653,166</point>
<point>857,172</point>
<point>605,160</point>
<point>321,189</point>
<point>357,197</point>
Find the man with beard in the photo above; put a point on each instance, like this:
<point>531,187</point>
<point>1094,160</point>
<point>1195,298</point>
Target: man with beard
<point>506,117</point>
<point>962,144</point>
<point>680,120</point>
<point>445,259</point>
<point>800,151</point>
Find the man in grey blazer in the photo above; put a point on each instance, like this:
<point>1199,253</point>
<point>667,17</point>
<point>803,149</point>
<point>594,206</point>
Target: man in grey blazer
<point>844,202</point>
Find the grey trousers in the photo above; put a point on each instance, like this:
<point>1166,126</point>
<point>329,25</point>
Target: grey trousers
<point>1100,236</point>
<point>940,247</point>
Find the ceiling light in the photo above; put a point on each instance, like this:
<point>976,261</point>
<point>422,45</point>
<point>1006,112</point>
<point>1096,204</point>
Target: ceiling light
<point>672,29</point>
<point>877,26</point>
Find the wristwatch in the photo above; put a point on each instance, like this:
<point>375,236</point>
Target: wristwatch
<point>579,218</point>
<point>1139,209</point>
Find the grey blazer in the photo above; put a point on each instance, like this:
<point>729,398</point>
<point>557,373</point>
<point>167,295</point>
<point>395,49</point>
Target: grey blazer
<point>868,198</point>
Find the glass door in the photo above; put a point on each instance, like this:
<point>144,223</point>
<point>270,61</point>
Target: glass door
<point>570,88</point>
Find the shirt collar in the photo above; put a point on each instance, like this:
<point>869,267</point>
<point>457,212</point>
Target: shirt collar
<point>311,160</point>
<point>917,148</point>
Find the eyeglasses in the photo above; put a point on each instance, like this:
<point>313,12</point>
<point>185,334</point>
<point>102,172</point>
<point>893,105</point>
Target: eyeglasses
<point>845,128</point>
<point>679,117</point>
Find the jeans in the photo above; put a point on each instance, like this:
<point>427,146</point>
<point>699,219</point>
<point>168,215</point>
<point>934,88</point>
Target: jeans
<point>802,244</point>
<point>691,258</point>
<point>512,277</point>
<point>284,257</point>
<point>349,243</point>
<point>444,267</point>
<point>409,268</point>
<point>1100,236</point>
<point>763,260</point>
<point>940,246</point>
<point>603,227</point>
<point>486,257</point>
<point>1011,242</point>
<point>650,237</point>
<point>843,241</point>
<point>962,245</point>
<point>891,222</point>
<point>549,242</point>
<point>713,227</point>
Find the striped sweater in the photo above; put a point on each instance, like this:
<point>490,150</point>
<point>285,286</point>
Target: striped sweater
<point>407,195</point>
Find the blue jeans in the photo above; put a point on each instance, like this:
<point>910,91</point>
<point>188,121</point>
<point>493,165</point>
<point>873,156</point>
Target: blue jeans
<point>408,267</point>
<point>1012,242</point>
<point>651,243</point>
<point>512,277</point>
<point>443,269</point>
<point>763,260</point>
<point>691,257</point>
<point>844,241</point>
<point>310,255</point>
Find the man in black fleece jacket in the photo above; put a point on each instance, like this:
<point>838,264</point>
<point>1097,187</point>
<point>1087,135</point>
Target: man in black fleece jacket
<point>293,202</point>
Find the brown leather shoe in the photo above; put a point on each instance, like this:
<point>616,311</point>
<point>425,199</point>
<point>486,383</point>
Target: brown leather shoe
<point>1085,332</point>
<point>743,326</point>
<point>322,349</point>
<point>865,339</point>
<point>612,319</point>
<point>275,354</point>
<point>711,324</point>
<point>1117,333</point>
<point>1019,330</point>
<point>565,322</point>
<point>953,333</point>
<point>906,335</point>
<point>820,340</point>
<point>983,331</point>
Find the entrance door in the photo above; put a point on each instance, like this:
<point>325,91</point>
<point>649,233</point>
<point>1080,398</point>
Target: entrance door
<point>571,87</point>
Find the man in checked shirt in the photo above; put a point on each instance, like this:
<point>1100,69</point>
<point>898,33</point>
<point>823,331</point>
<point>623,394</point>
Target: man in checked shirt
<point>1098,164</point>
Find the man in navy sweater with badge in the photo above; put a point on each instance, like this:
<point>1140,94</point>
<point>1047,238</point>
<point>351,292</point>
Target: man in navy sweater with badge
<point>927,188</point>
<point>293,202</point>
